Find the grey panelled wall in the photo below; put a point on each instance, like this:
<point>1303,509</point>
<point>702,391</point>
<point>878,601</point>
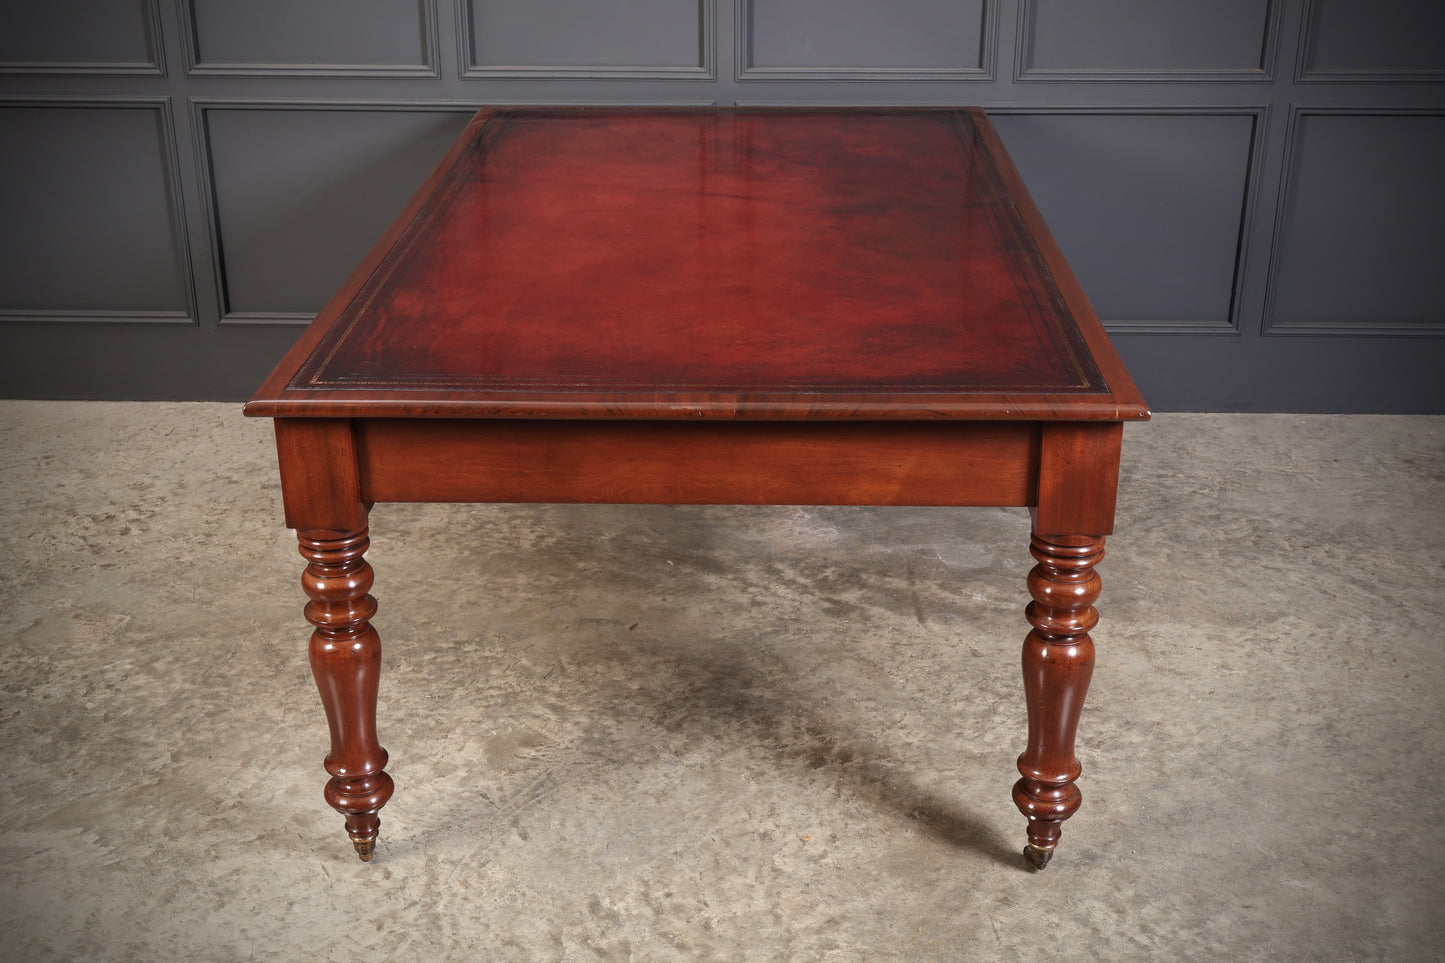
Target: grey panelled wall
<point>1249,190</point>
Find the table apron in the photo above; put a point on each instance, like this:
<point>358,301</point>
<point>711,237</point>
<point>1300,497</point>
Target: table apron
<point>724,463</point>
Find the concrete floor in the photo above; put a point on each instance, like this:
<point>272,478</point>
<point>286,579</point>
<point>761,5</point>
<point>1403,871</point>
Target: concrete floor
<point>662,733</point>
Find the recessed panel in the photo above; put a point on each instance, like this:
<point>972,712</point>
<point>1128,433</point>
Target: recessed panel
<point>310,33</point>
<point>1148,36</point>
<point>864,35</point>
<point>1147,207</point>
<point>300,195</point>
<point>101,34</point>
<point>1360,243</point>
<point>89,219</point>
<point>1381,37</point>
<point>622,35</point>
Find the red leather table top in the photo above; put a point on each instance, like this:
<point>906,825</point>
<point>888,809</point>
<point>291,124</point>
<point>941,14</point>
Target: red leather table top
<point>780,263</point>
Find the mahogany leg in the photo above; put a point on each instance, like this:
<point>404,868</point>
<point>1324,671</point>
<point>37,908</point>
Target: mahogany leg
<point>346,662</point>
<point>1058,660</point>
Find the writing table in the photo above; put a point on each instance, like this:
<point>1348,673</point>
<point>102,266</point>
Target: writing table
<point>695,306</point>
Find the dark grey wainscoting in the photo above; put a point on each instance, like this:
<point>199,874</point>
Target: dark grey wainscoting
<point>1249,190</point>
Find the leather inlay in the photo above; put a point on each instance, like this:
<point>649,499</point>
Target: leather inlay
<point>735,251</point>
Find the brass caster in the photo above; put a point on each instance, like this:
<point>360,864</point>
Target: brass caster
<point>365,848</point>
<point>1038,857</point>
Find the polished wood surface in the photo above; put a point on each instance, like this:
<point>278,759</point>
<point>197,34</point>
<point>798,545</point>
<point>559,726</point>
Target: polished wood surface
<point>712,264</point>
<point>781,306</point>
<point>346,663</point>
<point>717,463</point>
<point>1058,663</point>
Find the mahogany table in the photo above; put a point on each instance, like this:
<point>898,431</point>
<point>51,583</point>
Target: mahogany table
<point>698,306</point>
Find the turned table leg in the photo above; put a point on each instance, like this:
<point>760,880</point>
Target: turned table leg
<point>1058,660</point>
<point>346,662</point>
